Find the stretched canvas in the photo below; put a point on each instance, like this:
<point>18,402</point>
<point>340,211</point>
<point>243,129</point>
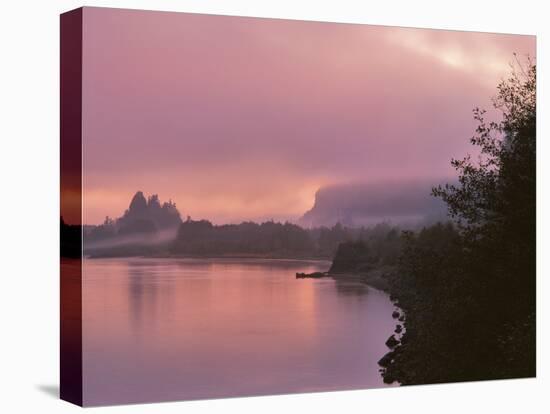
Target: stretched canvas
<point>260,206</point>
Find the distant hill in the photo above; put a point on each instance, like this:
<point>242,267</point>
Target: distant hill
<point>145,223</point>
<point>148,215</point>
<point>340,214</point>
<point>407,204</point>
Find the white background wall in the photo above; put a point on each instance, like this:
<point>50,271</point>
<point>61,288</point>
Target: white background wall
<point>29,159</point>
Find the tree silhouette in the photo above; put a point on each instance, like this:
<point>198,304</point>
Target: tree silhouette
<point>469,290</point>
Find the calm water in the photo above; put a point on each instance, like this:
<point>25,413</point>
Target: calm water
<point>169,329</point>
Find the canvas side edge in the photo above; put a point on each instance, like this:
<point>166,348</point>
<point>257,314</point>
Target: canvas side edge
<point>71,207</point>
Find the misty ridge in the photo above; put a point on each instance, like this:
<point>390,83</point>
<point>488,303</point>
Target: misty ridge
<point>341,213</point>
<point>147,225</point>
<point>406,203</point>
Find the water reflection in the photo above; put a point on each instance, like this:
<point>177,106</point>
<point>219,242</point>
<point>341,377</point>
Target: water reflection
<point>142,294</point>
<point>351,288</point>
<point>165,329</point>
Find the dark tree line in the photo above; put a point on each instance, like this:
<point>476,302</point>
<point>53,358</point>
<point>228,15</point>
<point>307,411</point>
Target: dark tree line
<point>468,289</point>
<point>269,239</point>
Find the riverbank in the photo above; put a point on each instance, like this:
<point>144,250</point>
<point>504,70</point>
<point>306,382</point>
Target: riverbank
<point>380,278</point>
<point>377,278</point>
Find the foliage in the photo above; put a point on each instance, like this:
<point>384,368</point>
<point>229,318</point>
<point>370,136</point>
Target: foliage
<point>273,239</point>
<point>373,249</point>
<point>469,290</point>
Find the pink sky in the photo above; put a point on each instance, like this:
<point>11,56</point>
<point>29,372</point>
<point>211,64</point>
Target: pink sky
<point>242,118</point>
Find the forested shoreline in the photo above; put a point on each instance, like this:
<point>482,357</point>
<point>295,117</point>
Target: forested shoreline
<point>201,238</point>
<point>468,288</point>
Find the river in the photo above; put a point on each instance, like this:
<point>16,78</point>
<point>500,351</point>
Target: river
<point>175,329</point>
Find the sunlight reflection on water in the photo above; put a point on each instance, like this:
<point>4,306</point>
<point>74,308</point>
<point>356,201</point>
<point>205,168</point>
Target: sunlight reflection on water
<point>168,329</point>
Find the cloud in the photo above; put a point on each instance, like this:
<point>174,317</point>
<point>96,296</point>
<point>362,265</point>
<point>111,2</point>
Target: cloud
<point>402,202</point>
<point>238,118</point>
<point>485,56</point>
